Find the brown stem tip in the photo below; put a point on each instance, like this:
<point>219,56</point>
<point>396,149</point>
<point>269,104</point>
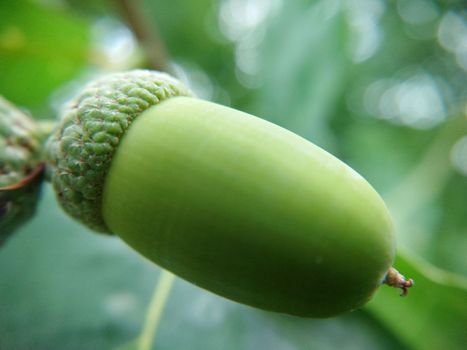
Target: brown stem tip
<point>395,279</point>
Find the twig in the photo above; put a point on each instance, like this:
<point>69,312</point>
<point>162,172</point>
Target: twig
<point>146,33</point>
<point>395,279</point>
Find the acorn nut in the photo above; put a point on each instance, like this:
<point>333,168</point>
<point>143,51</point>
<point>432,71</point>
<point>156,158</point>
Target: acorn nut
<point>228,201</point>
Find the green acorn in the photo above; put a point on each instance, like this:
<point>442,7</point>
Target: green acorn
<point>20,168</point>
<point>228,201</point>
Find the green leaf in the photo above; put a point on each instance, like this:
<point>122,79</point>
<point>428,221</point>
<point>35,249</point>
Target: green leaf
<point>40,48</point>
<point>64,287</point>
<point>304,69</point>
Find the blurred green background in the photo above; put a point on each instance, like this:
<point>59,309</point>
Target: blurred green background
<point>380,84</point>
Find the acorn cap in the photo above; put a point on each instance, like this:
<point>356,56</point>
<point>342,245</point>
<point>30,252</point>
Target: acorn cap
<point>20,168</point>
<point>81,148</point>
<point>19,144</point>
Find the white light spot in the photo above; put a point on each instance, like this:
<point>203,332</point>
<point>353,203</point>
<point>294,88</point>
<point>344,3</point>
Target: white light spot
<point>114,41</point>
<point>452,31</point>
<point>238,18</point>
<point>364,17</point>
<point>415,101</point>
<point>120,304</point>
<point>241,21</point>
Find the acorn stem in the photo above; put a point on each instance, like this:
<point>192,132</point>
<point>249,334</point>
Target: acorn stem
<point>21,167</point>
<point>395,279</point>
<point>156,307</point>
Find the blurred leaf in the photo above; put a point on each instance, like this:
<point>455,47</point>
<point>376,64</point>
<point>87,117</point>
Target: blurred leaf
<point>422,185</point>
<point>40,48</point>
<point>63,287</point>
<point>450,242</point>
<point>89,7</point>
<point>304,69</point>
<point>433,315</point>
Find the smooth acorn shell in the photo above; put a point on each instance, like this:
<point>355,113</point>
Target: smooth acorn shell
<point>247,210</point>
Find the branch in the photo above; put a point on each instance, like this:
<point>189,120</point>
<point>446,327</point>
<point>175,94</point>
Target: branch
<point>146,34</point>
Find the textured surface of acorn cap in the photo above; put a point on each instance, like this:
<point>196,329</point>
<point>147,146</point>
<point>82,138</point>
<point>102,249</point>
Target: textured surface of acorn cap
<point>81,148</point>
<point>19,144</point>
<point>20,168</point>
